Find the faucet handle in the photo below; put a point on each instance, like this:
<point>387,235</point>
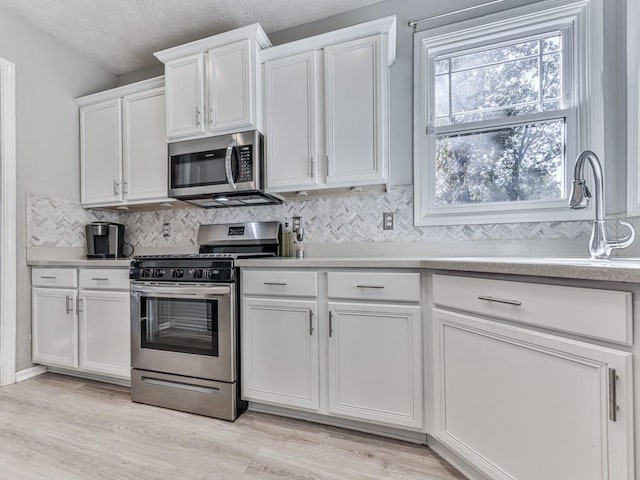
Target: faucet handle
<point>626,241</point>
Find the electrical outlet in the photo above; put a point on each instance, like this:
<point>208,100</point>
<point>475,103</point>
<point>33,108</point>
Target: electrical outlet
<point>166,229</point>
<point>387,221</point>
<point>296,223</point>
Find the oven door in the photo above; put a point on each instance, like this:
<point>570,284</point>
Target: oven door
<point>184,329</point>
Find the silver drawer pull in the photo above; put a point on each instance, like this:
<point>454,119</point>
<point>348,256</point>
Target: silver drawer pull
<point>517,303</point>
<point>180,385</point>
<point>47,277</point>
<point>613,400</point>
<point>281,284</point>
<point>100,279</point>
<point>369,286</point>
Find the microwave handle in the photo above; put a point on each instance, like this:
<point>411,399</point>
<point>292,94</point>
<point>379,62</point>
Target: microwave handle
<point>227,164</point>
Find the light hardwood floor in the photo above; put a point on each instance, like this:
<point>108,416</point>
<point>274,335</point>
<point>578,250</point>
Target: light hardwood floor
<point>54,427</point>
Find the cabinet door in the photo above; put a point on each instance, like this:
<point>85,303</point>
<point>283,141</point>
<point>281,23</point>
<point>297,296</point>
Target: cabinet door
<point>524,405</point>
<point>101,153</point>
<point>280,352</point>
<point>54,327</point>
<point>105,345</point>
<point>357,121</point>
<point>291,105</point>
<point>375,363</point>
<point>184,82</point>
<point>145,146</point>
<point>231,99</point>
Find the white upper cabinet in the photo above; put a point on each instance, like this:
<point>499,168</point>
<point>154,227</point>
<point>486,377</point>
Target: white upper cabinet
<point>185,96</point>
<point>326,105</point>
<point>123,155</point>
<point>101,153</point>
<point>145,148</point>
<point>356,112</point>
<point>231,94</point>
<point>212,84</point>
<point>292,121</point>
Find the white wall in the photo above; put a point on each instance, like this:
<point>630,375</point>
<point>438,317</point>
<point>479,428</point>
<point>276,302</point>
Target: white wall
<point>49,76</point>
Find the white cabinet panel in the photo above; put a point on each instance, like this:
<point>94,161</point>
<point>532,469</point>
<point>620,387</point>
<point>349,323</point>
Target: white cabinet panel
<point>280,352</point>
<point>375,363</point>
<point>55,327</point>
<point>356,112</point>
<point>376,286</point>
<point>185,96</point>
<point>292,91</point>
<point>145,147</point>
<point>54,277</point>
<point>230,87</point>
<point>524,405</point>
<point>288,283</point>
<point>101,153</point>
<point>105,346</point>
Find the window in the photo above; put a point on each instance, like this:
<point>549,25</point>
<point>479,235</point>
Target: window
<point>502,109</point>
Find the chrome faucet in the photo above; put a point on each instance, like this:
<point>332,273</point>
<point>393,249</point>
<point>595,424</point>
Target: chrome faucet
<point>599,246</point>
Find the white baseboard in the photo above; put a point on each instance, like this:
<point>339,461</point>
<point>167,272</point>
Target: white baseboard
<point>123,382</point>
<point>454,459</point>
<point>31,372</point>
<point>391,432</point>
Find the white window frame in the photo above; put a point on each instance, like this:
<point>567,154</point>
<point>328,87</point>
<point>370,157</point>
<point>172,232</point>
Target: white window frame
<point>581,24</point>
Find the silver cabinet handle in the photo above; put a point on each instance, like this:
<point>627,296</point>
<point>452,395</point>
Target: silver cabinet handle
<point>79,306</point>
<point>281,284</point>
<point>330,323</point>
<point>116,188</point>
<point>68,306</point>
<point>47,277</point>
<point>326,157</point>
<point>125,186</point>
<point>613,395</point>
<point>100,279</point>
<point>312,165</point>
<point>517,303</point>
<point>370,286</point>
<point>197,117</point>
<point>310,322</point>
<point>211,114</point>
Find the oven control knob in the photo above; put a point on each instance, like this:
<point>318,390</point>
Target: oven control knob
<point>197,273</point>
<point>212,273</point>
<point>146,272</point>
<point>178,273</point>
<point>158,273</point>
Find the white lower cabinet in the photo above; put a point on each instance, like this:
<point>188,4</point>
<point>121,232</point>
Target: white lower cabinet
<point>85,330</point>
<point>105,332</point>
<point>55,326</point>
<point>280,352</point>
<point>375,363</point>
<point>358,360</point>
<point>520,404</point>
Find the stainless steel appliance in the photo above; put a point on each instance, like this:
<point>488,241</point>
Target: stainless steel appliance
<point>184,321</point>
<point>223,171</point>
<point>105,240</point>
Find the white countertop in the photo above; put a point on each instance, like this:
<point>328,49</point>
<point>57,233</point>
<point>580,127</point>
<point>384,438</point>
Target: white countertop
<point>81,262</point>
<point>614,270</point>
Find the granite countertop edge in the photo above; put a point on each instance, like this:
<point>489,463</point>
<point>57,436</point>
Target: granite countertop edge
<point>80,262</point>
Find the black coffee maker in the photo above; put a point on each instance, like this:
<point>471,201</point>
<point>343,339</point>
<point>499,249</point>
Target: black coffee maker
<point>105,240</point>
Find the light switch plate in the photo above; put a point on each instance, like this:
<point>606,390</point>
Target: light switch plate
<point>387,220</point>
<point>296,223</point>
<point>166,229</point>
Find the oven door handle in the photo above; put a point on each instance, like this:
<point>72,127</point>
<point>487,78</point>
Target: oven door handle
<point>227,164</point>
<point>181,291</point>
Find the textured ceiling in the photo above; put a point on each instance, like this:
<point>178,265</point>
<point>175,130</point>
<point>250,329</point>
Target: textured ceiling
<point>122,35</point>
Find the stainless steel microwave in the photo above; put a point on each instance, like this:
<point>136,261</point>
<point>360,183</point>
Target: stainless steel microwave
<point>223,171</point>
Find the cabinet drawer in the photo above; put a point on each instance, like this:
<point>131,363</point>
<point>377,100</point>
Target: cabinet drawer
<point>54,277</point>
<point>401,287</point>
<point>601,314</point>
<point>111,278</point>
<point>280,282</point>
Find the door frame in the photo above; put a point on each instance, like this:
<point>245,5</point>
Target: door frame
<point>7,222</point>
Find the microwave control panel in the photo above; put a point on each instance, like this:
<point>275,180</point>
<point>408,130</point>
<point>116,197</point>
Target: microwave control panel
<point>245,161</point>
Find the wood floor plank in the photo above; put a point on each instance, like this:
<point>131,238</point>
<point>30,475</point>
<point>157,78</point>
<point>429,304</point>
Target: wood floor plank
<point>61,428</point>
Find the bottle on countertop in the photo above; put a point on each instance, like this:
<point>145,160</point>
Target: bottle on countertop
<point>299,244</point>
<point>285,246</point>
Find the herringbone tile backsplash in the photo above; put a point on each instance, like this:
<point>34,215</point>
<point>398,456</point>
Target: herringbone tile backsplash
<point>353,218</point>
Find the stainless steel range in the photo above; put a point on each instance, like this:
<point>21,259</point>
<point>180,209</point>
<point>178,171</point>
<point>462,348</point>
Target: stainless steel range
<point>184,321</point>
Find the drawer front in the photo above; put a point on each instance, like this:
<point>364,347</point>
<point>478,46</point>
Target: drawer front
<point>288,283</point>
<point>400,287</point>
<point>601,314</point>
<point>54,277</point>
<point>108,278</point>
